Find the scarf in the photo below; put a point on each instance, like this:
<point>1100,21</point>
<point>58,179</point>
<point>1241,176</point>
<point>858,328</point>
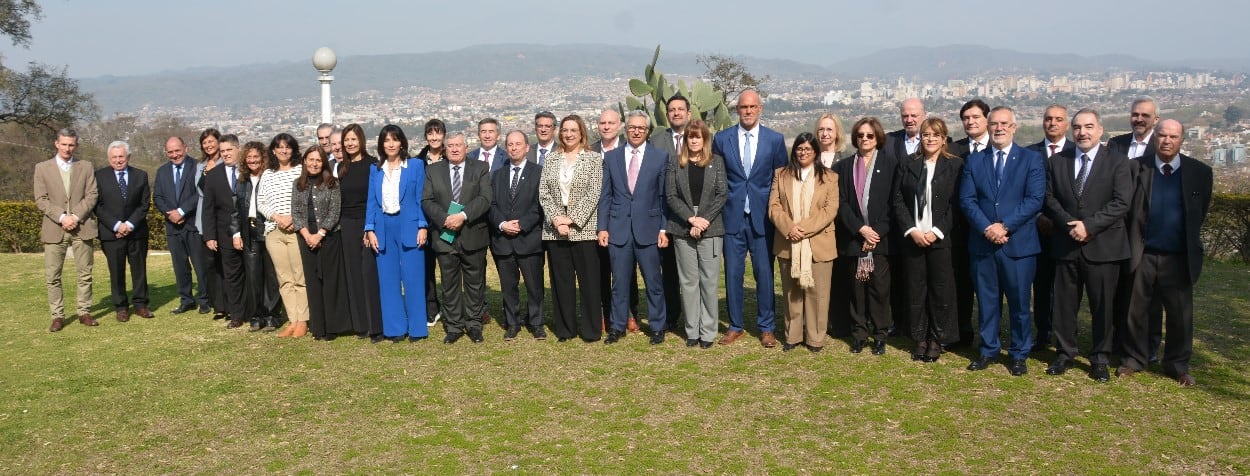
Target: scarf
<point>801,192</point>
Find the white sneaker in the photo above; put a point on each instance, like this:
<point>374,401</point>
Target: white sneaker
<point>431,322</point>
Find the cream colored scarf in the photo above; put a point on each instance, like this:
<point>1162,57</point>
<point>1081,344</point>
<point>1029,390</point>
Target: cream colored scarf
<point>801,192</point>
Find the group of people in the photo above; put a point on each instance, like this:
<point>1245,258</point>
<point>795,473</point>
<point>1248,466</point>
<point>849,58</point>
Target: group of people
<point>899,235</point>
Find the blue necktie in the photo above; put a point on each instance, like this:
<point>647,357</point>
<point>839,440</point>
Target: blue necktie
<point>998,167</point>
<point>121,183</point>
<point>177,179</point>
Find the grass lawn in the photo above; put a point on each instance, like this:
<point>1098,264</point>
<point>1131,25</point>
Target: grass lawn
<point>181,394</point>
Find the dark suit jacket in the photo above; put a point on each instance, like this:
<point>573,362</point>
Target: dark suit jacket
<point>598,145</point>
<point>475,195</point>
<point>524,208</point>
<point>1040,147</point>
<point>110,209</point>
<point>711,202</point>
<point>664,140</point>
<point>963,147</point>
<point>532,155</point>
<point>639,214</point>
<point>895,146</point>
<point>880,212</point>
<point>163,194</point>
<point>1102,207</point>
<point>498,158</point>
<point>1015,203</point>
<point>1196,184</point>
<point>1123,142</point>
<point>757,183</point>
<point>945,197</point>
<point>219,216</point>
<point>243,195</point>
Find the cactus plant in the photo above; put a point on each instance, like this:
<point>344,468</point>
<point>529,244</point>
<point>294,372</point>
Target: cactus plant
<point>652,92</point>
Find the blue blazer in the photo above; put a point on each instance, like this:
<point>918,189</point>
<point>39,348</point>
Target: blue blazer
<point>498,158</point>
<point>411,178</point>
<point>770,153</point>
<point>188,198</point>
<point>639,214</point>
<point>1015,203</point>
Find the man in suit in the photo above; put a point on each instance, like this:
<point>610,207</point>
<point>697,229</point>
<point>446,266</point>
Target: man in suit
<point>516,222</point>
<point>489,150</point>
<point>221,230</point>
<point>1143,116</point>
<point>545,131</point>
<point>1055,127</point>
<point>631,225</point>
<point>336,152</point>
<point>324,131</point>
<point>65,192</point>
<point>458,182</point>
<point>677,109</point>
<point>973,114</point>
<point>866,187</point>
<point>210,146</point>
<point>121,210</point>
<point>1001,191</point>
<point>609,131</point>
<point>752,152</point>
<point>1173,195</point>
<point>176,198</point>
<point>904,142</point>
<point>1087,196</point>
<point>609,128</point>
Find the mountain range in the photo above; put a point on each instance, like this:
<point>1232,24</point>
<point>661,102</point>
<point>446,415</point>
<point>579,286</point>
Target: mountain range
<point>278,81</point>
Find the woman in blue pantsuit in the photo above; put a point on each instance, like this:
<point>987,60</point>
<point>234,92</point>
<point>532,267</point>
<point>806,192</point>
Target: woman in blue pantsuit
<point>395,228</point>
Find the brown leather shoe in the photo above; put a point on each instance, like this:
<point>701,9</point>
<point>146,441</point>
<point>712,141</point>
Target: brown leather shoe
<point>87,320</point>
<point>123,315</point>
<point>632,325</point>
<point>485,318</point>
<point>234,323</point>
<point>58,323</point>
<point>767,339</point>
<point>144,312</point>
<point>730,337</point>
<point>1124,371</point>
<point>1186,380</point>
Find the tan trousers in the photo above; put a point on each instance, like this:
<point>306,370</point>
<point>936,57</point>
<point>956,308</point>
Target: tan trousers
<point>54,261</point>
<point>807,310</point>
<point>287,264</point>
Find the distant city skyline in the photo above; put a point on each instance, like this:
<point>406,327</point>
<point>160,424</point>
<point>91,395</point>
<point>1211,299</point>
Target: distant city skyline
<point>135,37</point>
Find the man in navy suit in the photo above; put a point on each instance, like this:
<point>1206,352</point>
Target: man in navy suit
<point>176,197</point>
<point>1055,127</point>
<point>122,214</point>
<point>752,152</point>
<point>1001,191</point>
<point>631,224</point>
<point>489,150</point>
<point>516,237</point>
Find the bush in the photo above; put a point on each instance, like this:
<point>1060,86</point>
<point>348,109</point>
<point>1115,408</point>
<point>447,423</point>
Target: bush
<point>1227,230</point>
<point>20,223</point>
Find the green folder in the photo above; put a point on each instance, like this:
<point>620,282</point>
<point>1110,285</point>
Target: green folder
<point>449,235</point>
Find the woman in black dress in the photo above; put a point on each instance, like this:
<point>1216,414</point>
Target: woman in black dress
<point>359,261</point>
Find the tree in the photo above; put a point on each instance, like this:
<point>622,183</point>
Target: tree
<point>729,76</point>
<point>15,16</point>
<point>43,97</point>
<point>1233,114</point>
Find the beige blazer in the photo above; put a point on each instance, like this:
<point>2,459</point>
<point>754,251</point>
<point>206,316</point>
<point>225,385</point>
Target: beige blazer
<point>583,196</point>
<point>819,226</point>
<point>51,200</point>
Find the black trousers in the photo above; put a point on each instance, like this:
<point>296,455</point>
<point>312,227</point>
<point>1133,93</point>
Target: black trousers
<point>896,295</point>
<point>260,291</point>
<point>230,261</point>
<point>1098,281</point>
<point>323,280</point>
<point>186,249</point>
<point>464,289</point>
<point>929,279</point>
<point>119,252</point>
<point>868,302</point>
<point>360,266</point>
<point>1161,279</point>
<point>213,276</point>
<point>511,268</point>
<point>965,289</point>
<point>575,270</point>
<point>1044,295</point>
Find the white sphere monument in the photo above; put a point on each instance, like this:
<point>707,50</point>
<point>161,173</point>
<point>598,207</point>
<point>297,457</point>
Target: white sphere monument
<point>324,60</point>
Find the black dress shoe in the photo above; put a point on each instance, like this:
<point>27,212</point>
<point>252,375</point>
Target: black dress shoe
<point>878,347</point>
<point>184,308</point>
<point>692,342</point>
<point>511,333</point>
<point>705,344</point>
<point>857,346</point>
<point>814,349</point>
<point>475,335</point>
<point>395,340</point>
<point>614,336</point>
<point>1060,365</point>
<point>564,339</point>
<point>1100,373</point>
<point>220,315</point>
<point>1018,367</point>
<point>788,347</point>
<point>1041,345</point>
<point>234,323</point>
<point>204,309</point>
<point>416,338</point>
<point>538,333</point>
<point>980,363</point>
<point>375,339</point>
<point>452,337</point>
<point>657,337</point>
<point>255,324</point>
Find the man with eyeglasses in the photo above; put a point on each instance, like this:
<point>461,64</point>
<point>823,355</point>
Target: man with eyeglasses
<point>545,132</point>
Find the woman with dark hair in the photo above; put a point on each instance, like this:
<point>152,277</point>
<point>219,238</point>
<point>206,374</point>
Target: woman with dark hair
<point>696,191</point>
<point>435,132</point>
<point>926,208</point>
<point>802,206</point>
<point>273,200</point>
<point>569,193</point>
<point>260,293</point>
<point>315,212</point>
<point>395,229</point>
<point>360,265</point>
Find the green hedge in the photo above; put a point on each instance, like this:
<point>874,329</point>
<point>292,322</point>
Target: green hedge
<point>20,222</point>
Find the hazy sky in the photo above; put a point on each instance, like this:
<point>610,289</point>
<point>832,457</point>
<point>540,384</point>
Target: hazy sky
<point>128,37</point>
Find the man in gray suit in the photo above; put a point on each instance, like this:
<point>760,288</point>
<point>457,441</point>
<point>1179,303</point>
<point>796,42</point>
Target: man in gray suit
<point>489,151</point>
<point>456,200</point>
<point>65,193</point>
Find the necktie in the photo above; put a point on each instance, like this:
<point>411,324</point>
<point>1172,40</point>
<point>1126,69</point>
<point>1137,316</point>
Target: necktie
<point>634,164</point>
<point>1082,175</point>
<point>230,177</point>
<point>1167,170</point>
<point>121,183</point>
<point>455,184</point>
<point>677,139</point>
<point>486,156</point>
<point>177,180</point>
<point>747,153</point>
<point>998,167</point>
<point>1053,148</point>
<point>542,155</point>
<point>976,147</point>
<point>516,177</point>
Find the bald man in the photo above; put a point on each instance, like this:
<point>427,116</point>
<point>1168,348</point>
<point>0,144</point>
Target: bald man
<point>175,195</point>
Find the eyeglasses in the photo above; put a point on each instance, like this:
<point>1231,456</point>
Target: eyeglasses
<point>804,150</point>
<point>866,135</point>
<point>636,128</point>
